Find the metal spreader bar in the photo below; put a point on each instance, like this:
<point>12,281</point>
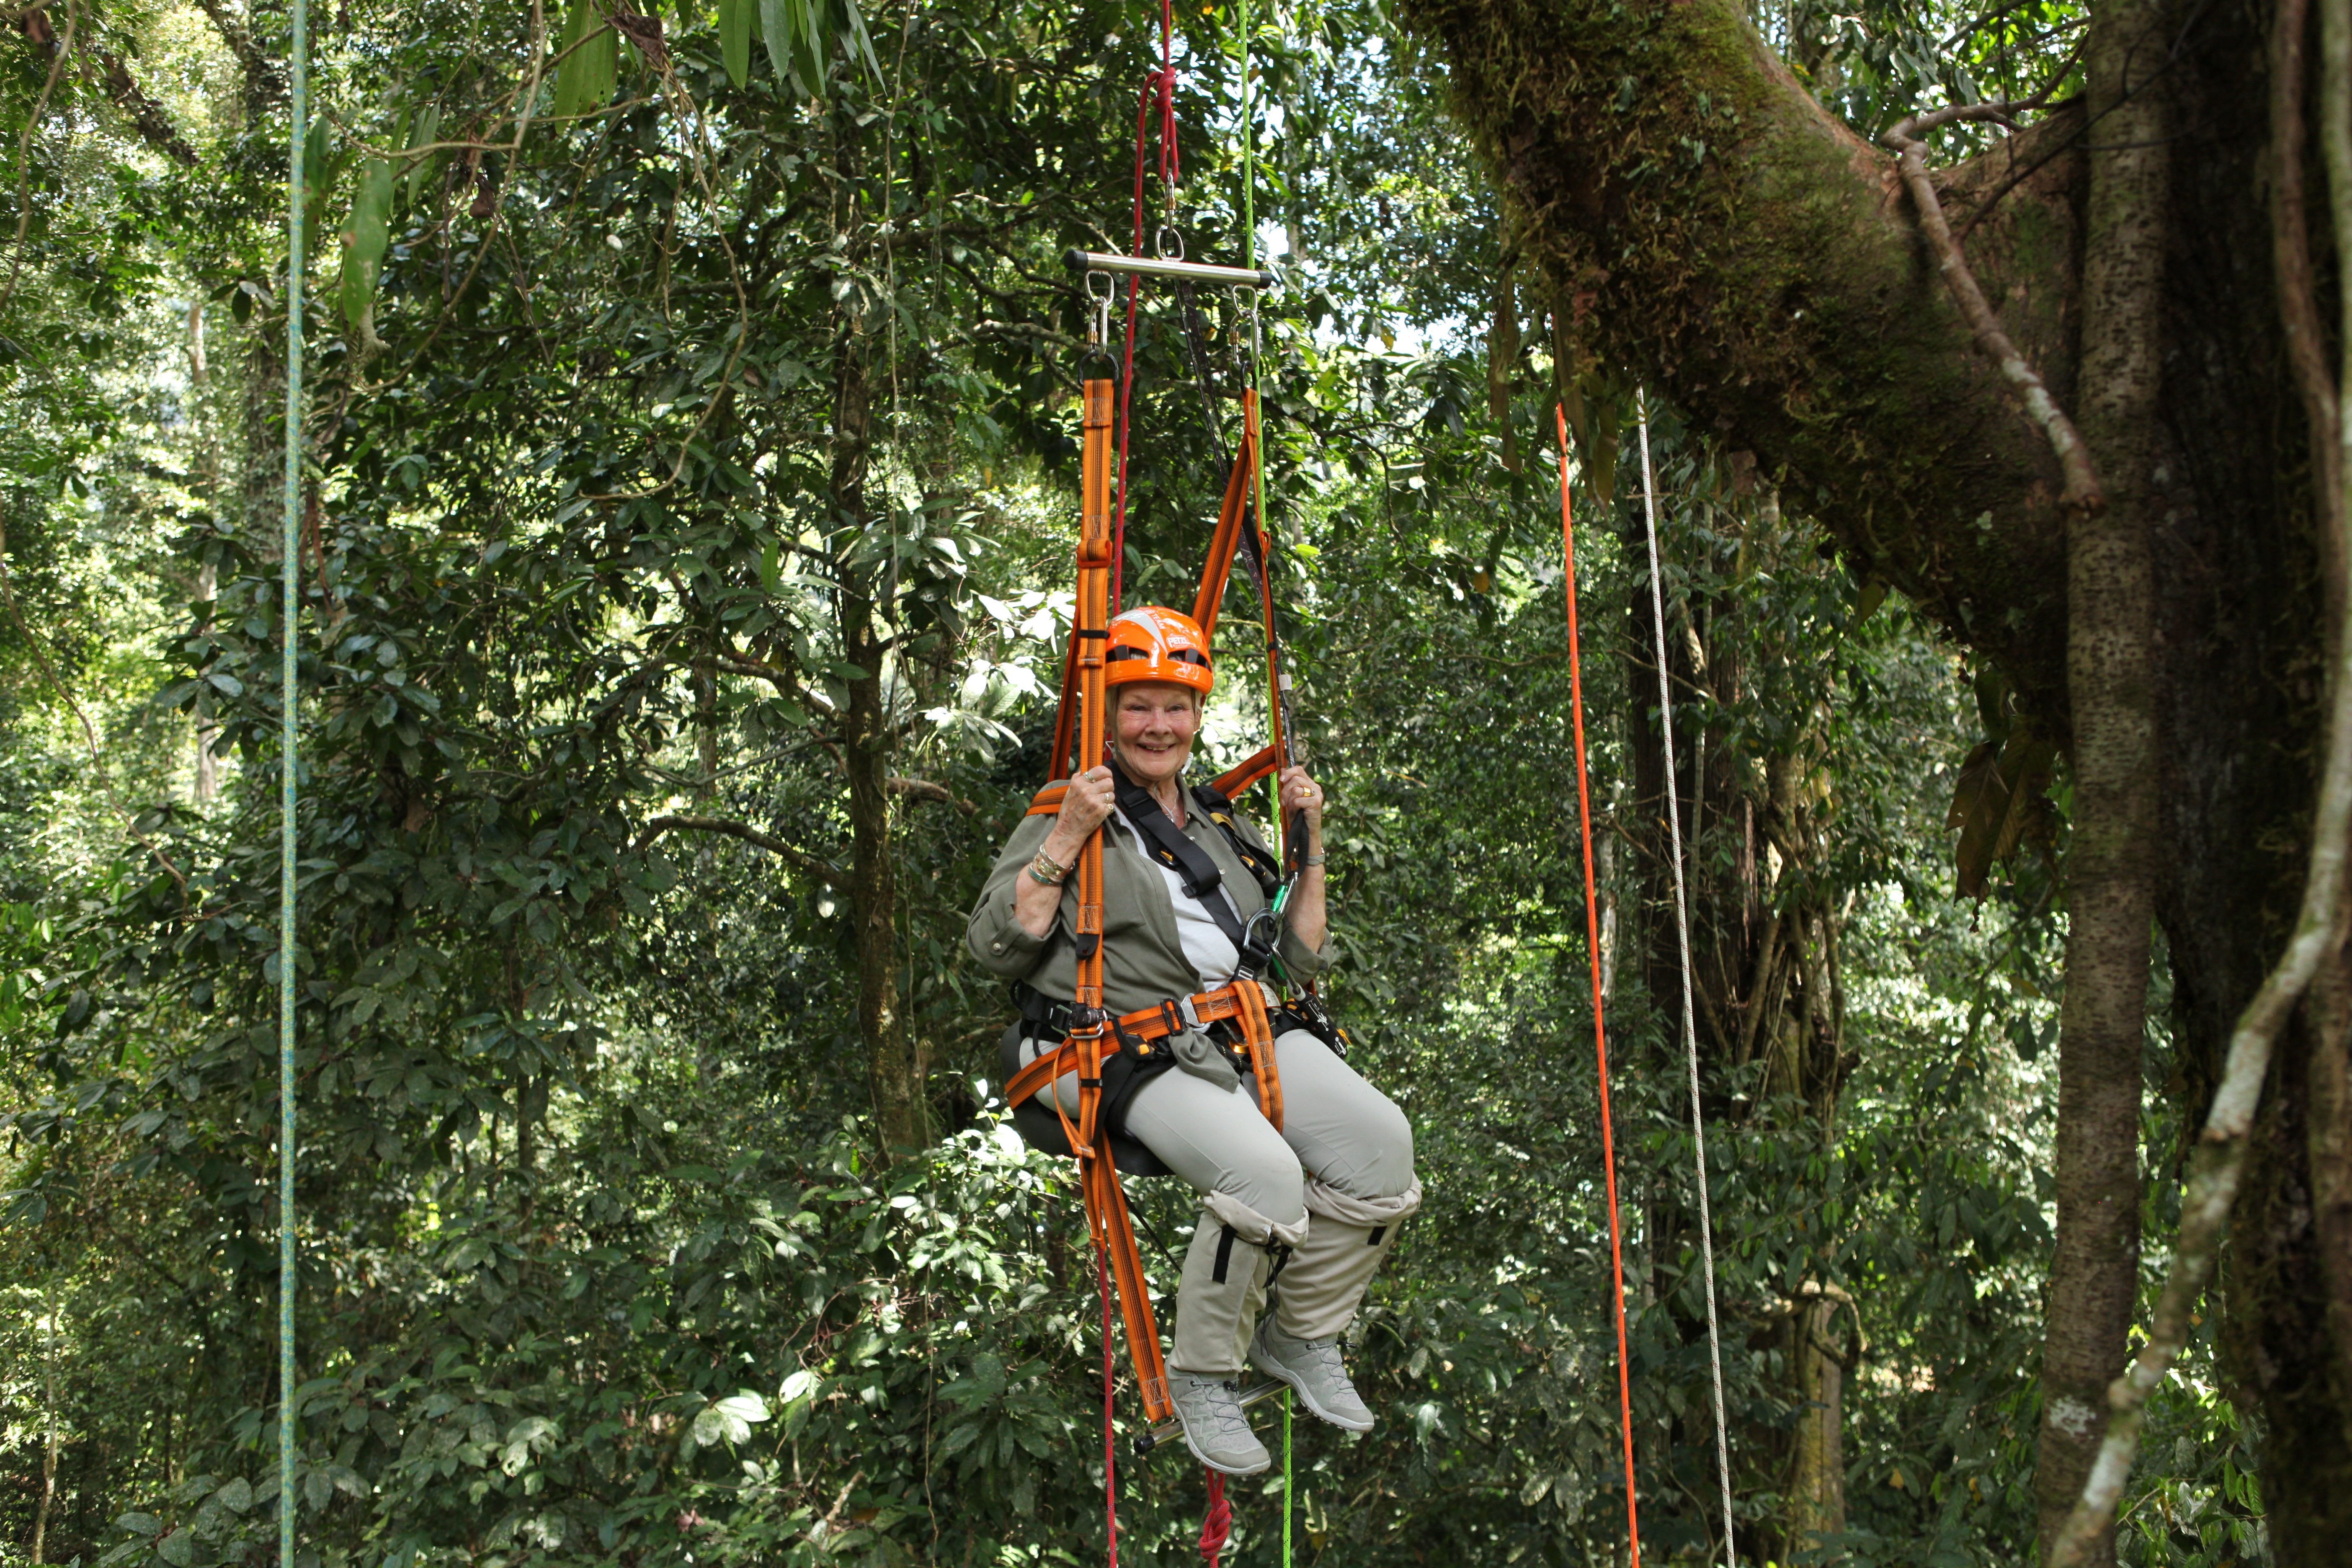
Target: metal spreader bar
<point>1169,1430</point>
<point>1165,266</point>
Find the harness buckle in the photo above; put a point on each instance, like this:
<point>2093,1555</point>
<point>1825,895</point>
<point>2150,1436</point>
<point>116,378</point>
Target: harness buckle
<point>1188,1012</point>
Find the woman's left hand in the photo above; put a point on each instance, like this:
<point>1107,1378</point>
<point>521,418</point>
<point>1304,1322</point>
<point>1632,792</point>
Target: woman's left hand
<point>1300,792</point>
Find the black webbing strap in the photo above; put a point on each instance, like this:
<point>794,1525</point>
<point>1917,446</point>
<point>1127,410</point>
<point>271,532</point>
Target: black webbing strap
<point>1220,810</point>
<point>1165,842</point>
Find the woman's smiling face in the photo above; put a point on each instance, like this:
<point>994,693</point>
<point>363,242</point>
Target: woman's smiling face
<point>1157,722</point>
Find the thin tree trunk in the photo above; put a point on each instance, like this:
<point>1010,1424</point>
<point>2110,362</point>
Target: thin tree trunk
<point>1817,1489</point>
<point>2110,873</point>
<point>207,775</point>
<point>49,1443</point>
<point>206,783</point>
<point>894,1065</point>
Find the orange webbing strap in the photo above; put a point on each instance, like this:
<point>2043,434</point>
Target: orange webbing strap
<point>1293,824</point>
<point>1143,1027</point>
<point>1235,779</point>
<point>1257,1038</point>
<point>1218,569</point>
<point>1066,711</point>
<point>1106,1216</point>
<point>1115,1231</point>
<point>1088,640</point>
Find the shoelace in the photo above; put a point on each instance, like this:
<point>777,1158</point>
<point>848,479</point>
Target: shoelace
<point>1320,1356</point>
<point>1222,1417</point>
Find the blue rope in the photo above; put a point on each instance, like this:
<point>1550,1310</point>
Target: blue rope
<point>289,694</point>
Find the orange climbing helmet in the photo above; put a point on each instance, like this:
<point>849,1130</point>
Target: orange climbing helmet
<point>1152,643</point>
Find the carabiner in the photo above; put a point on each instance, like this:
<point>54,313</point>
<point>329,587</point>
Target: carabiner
<point>1098,334</point>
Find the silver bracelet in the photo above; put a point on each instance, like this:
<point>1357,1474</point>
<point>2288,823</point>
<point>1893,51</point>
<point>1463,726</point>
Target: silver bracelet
<point>1311,860</point>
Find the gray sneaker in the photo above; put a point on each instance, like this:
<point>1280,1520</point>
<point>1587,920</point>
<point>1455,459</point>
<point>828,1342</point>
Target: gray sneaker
<point>1214,1428</point>
<point>1313,1370</point>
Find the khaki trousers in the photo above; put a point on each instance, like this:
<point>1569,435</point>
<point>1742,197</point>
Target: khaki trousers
<point>1332,1188</point>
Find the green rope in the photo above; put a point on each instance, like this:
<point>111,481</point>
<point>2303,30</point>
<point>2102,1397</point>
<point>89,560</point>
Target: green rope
<point>1249,259</point>
<point>289,693</point>
<point>1285,1479</point>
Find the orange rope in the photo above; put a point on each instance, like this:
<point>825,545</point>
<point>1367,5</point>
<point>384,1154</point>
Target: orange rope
<point>1600,1029</point>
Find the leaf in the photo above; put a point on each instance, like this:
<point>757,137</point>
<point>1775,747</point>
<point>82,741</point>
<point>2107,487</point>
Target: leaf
<point>810,44</point>
<point>428,131</point>
<point>729,1420</point>
<point>737,20</point>
<point>776,26</point>
<point>586,77</point>
<point>320,167</point>
<point>1996,800</point>
<point>2025,769</point>
<point>178,1549</point>
<point>857,42</point>
<point>364,238</point>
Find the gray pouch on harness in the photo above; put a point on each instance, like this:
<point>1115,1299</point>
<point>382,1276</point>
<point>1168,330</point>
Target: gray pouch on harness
<point>1203,1058</point>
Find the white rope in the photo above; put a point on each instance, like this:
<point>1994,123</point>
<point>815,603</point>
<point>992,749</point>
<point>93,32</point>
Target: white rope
<point>1682,935</point>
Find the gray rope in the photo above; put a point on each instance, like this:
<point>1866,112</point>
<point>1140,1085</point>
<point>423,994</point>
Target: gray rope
<point>289,703</point>
<point>1682,935</point>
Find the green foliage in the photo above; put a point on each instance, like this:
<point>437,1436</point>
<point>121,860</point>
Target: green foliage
<point>598,1263</point>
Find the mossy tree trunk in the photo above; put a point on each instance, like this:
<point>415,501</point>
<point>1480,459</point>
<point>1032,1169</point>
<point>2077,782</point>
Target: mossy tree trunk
<point>1729,242</point>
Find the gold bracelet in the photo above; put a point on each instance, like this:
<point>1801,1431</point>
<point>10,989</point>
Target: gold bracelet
<point>1048,871</point>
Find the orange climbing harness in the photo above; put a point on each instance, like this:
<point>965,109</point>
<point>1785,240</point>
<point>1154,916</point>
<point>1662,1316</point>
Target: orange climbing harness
<point>1079,743</point>
<point>1243,1002</point>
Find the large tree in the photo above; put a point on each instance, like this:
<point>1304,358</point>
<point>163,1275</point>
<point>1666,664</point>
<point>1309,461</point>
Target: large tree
<point>1715,230</point>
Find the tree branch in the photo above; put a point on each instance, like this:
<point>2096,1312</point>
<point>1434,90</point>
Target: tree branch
<point>783,680</point>
<point>823,870</point>
<point>154,126</point>
<point>25,140</point>
<point>2083,495</point>
<point>263,80</point>
<point>924,789</point>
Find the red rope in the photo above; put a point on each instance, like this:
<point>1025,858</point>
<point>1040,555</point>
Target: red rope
<point>1600,1030</point>
<point>1158,85</point>
<point>1110,1446</point>
<point>1217,1524</point>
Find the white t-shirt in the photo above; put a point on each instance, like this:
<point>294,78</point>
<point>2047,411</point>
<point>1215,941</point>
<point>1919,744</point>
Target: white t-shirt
<point>1213,954</point>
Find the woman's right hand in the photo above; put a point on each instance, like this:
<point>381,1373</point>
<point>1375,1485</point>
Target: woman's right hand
<point>1086,805</point>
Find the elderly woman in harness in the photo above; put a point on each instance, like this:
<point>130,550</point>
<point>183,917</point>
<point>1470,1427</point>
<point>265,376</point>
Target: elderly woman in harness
<point>1300,1217</point>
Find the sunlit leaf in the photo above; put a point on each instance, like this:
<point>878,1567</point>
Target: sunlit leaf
<point>364,238</point>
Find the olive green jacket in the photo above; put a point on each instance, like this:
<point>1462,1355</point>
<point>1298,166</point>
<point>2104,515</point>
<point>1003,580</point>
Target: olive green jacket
<point>1143,956</point>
